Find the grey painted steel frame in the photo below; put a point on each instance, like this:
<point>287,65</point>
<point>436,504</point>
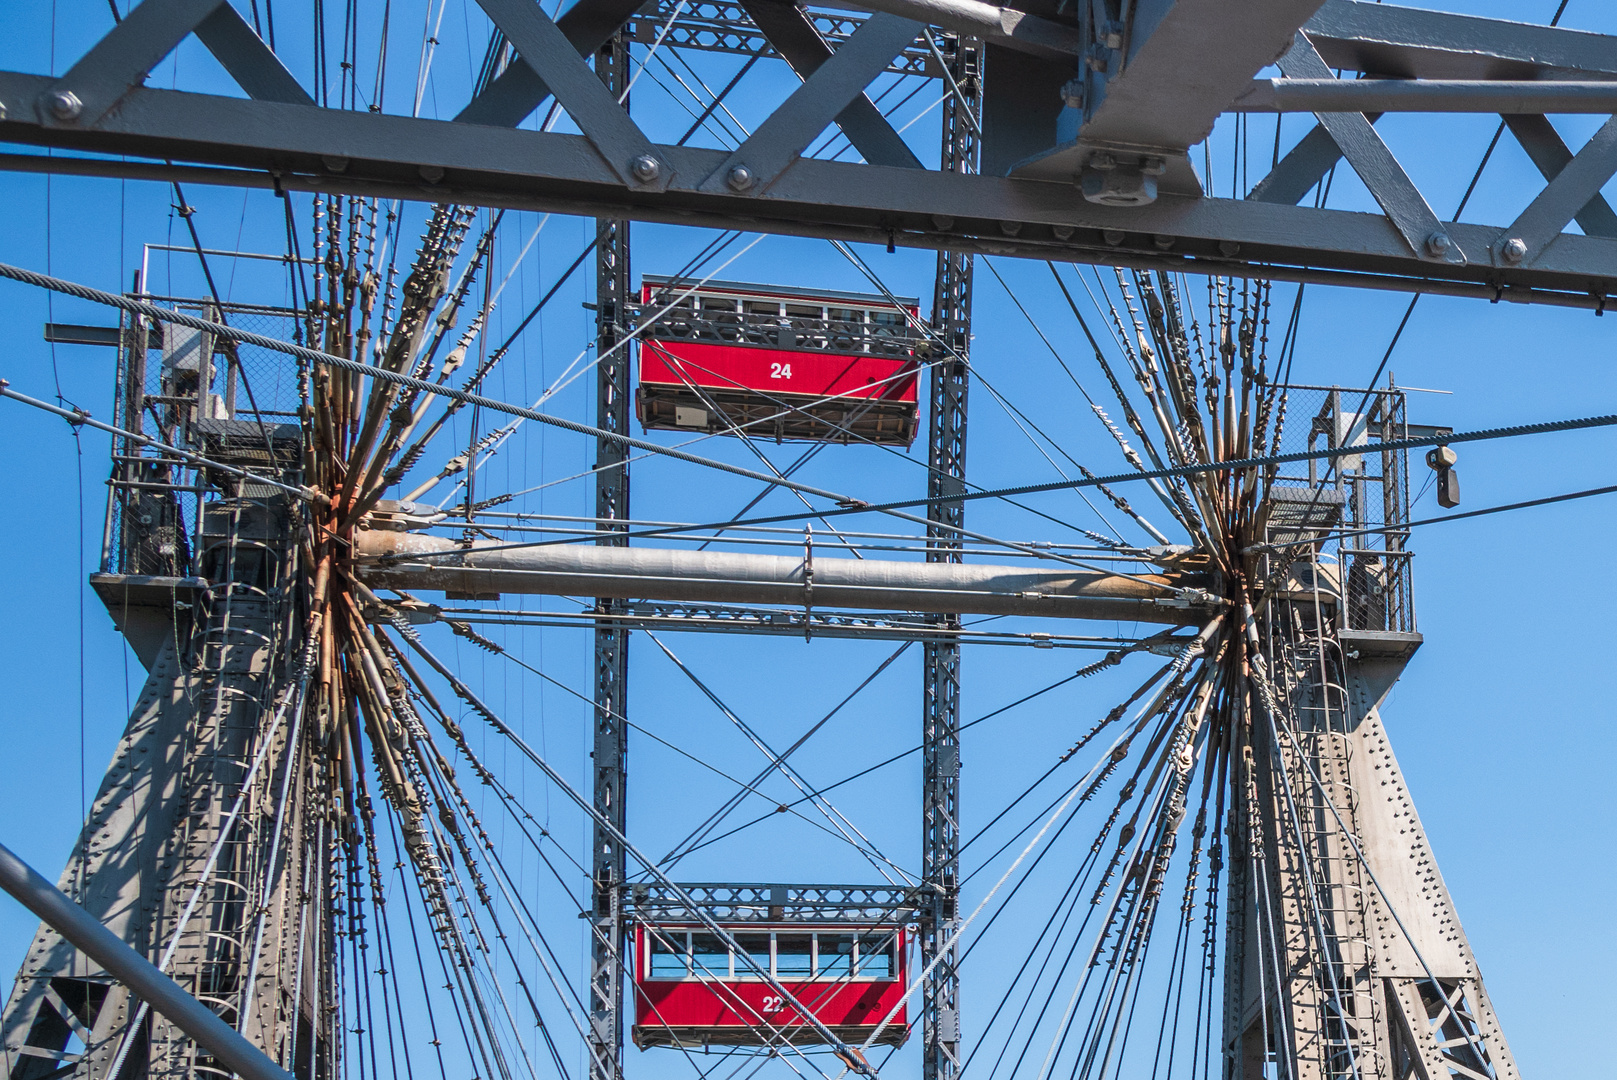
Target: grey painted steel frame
<point>613,294</point>
<point>940,666</point>
<point>280,139</point>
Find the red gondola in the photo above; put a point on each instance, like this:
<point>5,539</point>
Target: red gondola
<point>691,991</point>
<point>778,363</point>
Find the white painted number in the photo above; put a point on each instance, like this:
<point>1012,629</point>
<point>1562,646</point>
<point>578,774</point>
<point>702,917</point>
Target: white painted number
<point>780,371</point>
<point>772,1003</point>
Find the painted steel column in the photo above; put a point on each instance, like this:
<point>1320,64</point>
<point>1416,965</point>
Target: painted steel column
<point>612,395</point>
<point>940,717</point>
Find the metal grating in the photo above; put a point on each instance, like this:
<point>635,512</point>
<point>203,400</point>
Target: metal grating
<point>884,904</point>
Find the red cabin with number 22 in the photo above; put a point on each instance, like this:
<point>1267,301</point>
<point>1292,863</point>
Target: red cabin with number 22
<point>692,990</point>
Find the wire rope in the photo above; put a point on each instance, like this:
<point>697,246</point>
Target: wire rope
<point>833,816</point>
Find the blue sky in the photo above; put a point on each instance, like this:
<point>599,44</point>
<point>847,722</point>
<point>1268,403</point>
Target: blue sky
<point>1503,722</point>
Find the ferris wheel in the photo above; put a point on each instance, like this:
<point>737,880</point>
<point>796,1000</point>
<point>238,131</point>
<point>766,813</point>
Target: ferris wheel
<point>354,519</point>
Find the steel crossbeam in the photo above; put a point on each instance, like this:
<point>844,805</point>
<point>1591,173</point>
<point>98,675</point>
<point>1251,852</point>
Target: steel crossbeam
<point>1038,207</point>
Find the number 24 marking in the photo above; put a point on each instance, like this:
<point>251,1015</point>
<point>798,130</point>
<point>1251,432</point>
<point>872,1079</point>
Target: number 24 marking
<point>780,371</point>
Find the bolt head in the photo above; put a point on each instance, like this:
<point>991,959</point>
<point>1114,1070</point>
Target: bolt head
<point>1106,182</point>
<point>64,104</point>
<point>740,178</point>
<point>645,168</point>
<point>1513,250</point>
<point>1438,244</point>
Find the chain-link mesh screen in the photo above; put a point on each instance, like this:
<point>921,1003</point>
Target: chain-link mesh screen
<point>1342,518</point>
<point>233,403</point>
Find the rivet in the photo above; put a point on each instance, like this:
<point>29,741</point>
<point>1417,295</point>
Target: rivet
<point>1010,228</point>
<point>1062,232</point>
<point>334,163</point>
<point>645,168</point>
<point>1113,236</point>
<point>942,221</point>
<point>1229,248</point>
<point>739,178</point>
<point>431,173</point>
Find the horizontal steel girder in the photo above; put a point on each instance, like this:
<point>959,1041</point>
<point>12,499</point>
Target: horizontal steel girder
<point>280,139</point>
<point>1506,96</point>
<point>299,147</point>
<point>728,578</point>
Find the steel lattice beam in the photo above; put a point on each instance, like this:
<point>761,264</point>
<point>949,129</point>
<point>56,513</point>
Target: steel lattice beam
<point>741,30</point>
<point>613,295</point>
<point>940,665</point>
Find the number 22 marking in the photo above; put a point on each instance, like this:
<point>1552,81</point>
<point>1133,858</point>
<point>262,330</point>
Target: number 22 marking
<point>773,1004</point>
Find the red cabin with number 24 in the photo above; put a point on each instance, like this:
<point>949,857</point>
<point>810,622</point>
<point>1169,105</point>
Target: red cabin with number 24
<point>777,363</point>
<point>692,990</point>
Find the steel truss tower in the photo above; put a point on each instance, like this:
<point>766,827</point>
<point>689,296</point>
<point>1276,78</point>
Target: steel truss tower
<point>199,850</point>
<point>1346,955</point>
<point>940,709</point>
<point>613,373</point>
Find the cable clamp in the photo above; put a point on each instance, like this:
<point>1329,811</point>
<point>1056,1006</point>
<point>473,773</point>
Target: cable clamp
<point>1189,598</point>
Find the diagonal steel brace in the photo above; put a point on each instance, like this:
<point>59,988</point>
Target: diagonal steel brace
<point>604,122</point>
<point>780,140</point>
<point>121,60</point>
<point>1364,149</point>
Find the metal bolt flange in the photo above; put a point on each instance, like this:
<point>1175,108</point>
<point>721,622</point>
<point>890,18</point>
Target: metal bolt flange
<point>645,168</point>
<point>739,178</point>
<point>1438,244</point>
<point>1513,250</point>
<point>64,104</point>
